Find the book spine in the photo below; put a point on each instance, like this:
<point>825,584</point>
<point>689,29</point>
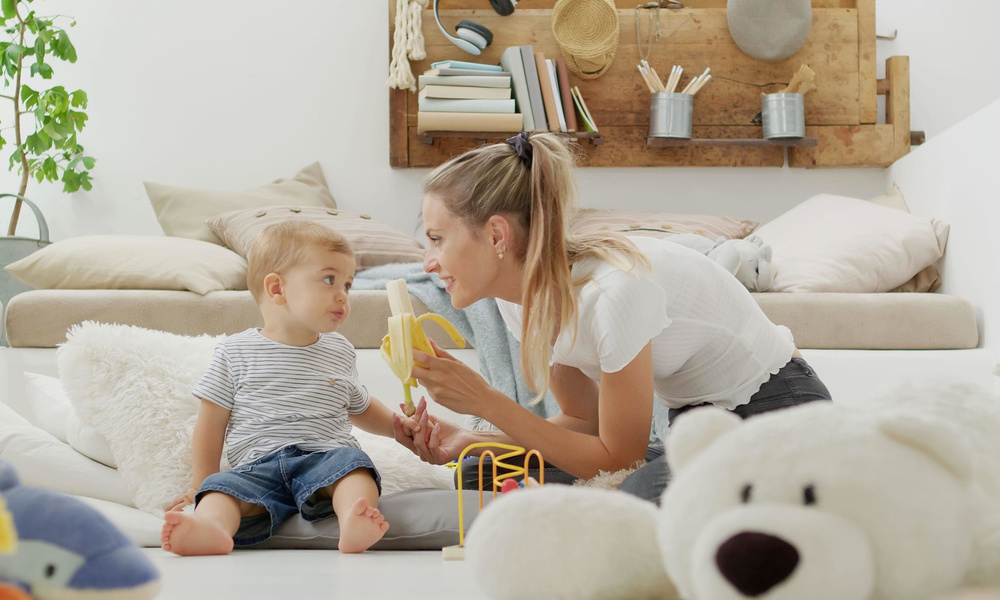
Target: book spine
<point>550,64</point>
<point>455,121</point>
<point>461,64</point>
<point>511,61</point>
<point>461,91</point>
<point>550,100</point>
<point>464,80</point>
<point>471,72</point>
<point>534,88</point>
<point>465,105</point>
<point>567,97</point>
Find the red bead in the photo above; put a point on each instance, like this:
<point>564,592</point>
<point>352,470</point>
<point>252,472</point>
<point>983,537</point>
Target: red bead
<point>508,485</point>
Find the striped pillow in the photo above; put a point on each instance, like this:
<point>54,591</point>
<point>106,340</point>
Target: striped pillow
<point>374,243</point>
<point>659,224</point>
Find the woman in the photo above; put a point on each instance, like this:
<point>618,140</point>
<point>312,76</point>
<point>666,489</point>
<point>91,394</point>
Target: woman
<point>605,322</point>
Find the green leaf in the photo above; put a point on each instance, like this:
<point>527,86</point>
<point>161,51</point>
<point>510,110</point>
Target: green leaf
<point>64,48</point>
<point>79,99</point>
<point>40,50</point>
<point>38,142</point>
<point>88,161</point>
<point>8,8</point>
<point>44,70</point>
<point>71,181</point>
<point>14,52</point>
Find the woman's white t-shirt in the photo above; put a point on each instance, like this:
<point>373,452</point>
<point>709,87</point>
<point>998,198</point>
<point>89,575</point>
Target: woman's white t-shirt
<point>710,341</point>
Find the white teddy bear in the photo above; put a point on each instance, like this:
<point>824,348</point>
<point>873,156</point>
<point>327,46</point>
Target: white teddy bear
<point>894,499</point>
<point>749,259</point>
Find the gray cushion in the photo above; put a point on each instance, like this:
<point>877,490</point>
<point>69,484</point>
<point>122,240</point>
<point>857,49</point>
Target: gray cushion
<point>418,520</point>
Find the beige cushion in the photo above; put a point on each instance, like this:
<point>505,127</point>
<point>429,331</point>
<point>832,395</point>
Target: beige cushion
<point>929,279</point>
<point>374,243</point>
<point>40,318</point>
<point>182,211</point>
<point>132,262</point>
<point>838,244</point>
<point>659,224</point>
<point>874,321</point>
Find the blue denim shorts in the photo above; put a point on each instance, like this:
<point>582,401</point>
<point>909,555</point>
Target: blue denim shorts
<point>285,483</point>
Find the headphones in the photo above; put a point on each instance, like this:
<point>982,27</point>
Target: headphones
<point>473,37</point>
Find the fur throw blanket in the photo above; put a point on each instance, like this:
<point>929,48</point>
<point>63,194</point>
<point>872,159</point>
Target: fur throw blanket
<point>133,386</point>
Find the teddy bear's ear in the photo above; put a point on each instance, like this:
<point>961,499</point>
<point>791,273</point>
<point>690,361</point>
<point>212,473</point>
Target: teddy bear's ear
<point>695,431</point>
<point>939,441</point>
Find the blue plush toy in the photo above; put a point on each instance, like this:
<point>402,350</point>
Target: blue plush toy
<point>65,549</point>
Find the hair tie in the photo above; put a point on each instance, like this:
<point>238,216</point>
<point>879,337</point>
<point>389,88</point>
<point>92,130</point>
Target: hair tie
<point>522,146</point>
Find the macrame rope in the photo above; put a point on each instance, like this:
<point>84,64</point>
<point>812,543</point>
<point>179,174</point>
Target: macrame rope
<point>407,44</point>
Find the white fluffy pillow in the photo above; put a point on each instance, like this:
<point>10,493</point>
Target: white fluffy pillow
<point>55,414</point>
<point>838,244</point>
<point>42,460</point>
<point>134,386</point>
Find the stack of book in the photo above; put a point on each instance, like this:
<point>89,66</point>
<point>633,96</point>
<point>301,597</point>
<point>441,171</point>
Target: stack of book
<point>543,93</point>
<point>465,96</point>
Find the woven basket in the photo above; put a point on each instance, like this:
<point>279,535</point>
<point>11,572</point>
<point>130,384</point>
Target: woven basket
<point>587,33</point>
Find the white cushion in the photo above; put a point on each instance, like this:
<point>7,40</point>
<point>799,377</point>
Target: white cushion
<point>42,460</point>
<point>838,244</point>
<point>55,414</point>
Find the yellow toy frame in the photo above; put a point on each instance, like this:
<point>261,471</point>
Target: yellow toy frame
<point>512,470</point>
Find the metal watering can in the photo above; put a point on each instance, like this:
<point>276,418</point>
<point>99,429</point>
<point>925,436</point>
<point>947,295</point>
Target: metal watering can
<point>13,249</point>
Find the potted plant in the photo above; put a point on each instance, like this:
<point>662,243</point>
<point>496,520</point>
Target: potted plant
<point>43,123</point>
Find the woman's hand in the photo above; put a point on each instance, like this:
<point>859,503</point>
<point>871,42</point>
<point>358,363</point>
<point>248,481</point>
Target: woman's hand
<point>434,440</point>
<point>183,500</point>
<point>450,382</point>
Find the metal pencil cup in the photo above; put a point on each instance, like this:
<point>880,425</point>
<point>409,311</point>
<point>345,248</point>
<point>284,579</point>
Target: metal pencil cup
<point>784,115</point>
<point>670,115</point>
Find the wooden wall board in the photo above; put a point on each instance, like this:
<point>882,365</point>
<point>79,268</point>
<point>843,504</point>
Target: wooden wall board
<point>623,146</point>
<point>866,145</point>
<point>838,49</point>
<point>867,67</point>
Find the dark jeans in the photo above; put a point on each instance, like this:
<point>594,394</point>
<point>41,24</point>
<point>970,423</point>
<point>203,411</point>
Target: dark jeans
<point>796,383</point>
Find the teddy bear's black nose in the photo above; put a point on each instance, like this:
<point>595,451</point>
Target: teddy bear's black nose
<point>756,562</point>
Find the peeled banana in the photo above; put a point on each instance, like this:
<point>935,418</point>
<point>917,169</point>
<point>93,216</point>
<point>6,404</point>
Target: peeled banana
<point>406,333</point>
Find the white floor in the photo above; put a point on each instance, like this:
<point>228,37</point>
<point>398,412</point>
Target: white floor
<point>273,574</point>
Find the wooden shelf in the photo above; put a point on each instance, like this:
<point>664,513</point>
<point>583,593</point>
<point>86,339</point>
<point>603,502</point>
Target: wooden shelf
<point>662,142</point>
<point>427,137</point>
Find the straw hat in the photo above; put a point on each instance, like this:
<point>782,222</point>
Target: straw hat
<point>587,33</point>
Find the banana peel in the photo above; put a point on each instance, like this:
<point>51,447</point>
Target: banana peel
<point>406,333</point>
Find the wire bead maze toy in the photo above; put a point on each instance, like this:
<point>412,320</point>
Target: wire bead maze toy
<point>504,479</point>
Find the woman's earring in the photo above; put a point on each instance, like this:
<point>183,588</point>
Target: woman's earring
<point>504,251</point>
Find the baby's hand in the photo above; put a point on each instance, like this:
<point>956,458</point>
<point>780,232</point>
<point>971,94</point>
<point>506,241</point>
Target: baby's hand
<point>183,500</point>
<point>409,424</point>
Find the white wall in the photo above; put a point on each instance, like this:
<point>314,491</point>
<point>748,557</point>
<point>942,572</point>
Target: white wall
<point>955,178</point>
<point>231,94</point>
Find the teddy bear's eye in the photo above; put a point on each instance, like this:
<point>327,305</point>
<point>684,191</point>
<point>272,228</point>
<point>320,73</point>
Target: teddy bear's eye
<point>50,570</point>
<point>809,495</point>
<point>746,493</point>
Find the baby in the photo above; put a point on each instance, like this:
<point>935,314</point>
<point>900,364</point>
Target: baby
<point>283,398</point>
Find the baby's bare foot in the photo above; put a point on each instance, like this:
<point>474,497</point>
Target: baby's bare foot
<point>191,535</point>
<point>361,527</point>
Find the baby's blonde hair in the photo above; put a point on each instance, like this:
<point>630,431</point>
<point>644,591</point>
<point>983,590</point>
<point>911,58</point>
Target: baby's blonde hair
<point>286,244</point>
